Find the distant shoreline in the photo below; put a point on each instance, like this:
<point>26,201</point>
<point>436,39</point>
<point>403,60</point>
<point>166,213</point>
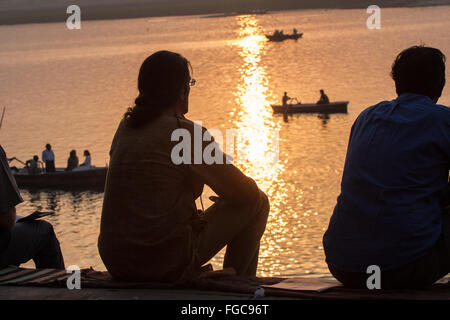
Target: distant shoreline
<point>14,17</point>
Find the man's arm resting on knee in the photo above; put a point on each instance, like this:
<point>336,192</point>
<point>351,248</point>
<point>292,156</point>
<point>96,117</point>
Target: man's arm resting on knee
<point>8,219</point>
<point>228,182</point>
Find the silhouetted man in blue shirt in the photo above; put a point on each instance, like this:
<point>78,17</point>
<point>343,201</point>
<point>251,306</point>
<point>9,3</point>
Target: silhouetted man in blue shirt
<point>395,183</point>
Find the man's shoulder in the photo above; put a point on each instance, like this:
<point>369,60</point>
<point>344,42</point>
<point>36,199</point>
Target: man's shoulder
<point>375,107</point>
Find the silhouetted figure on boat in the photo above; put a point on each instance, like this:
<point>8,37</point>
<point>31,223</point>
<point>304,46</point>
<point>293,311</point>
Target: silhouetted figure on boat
<point>391,210</point>
<point>150,228</point>
<point>294,31</point>
<point>72,161</point>
<point>23,241</point>
<point>87,159</point>
<point>48,157</point>
<point>32,165</point>
<point>323,98</point>
<point>278,33</point>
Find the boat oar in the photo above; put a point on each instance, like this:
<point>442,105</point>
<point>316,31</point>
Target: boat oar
<point>18,160</point>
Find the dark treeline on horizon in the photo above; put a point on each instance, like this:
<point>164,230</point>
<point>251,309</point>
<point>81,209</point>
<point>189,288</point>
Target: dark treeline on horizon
<point>93,11</point>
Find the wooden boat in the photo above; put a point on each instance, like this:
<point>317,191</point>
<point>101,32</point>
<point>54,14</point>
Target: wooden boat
<point>91,179</point>
<point>332,107</point>
<point>282,37</point>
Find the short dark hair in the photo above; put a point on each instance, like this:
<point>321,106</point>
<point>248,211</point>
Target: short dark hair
<point>419,70</point>
<point>161,78</point>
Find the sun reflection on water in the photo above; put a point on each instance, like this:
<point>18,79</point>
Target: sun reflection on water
<point>257,137</point>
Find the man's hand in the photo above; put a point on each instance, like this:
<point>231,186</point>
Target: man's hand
<point>8,219</point>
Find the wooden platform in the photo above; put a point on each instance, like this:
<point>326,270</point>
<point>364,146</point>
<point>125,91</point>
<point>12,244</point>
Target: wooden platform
<point>46,293</point>
<point>21,283</point>
<point>327,108</point>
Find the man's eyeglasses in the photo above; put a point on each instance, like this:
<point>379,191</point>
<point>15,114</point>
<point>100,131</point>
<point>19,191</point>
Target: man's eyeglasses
<point>192,82</point>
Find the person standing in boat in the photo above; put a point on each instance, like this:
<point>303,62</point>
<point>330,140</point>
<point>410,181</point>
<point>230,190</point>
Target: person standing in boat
<point>150,227</point>
<point>323,98</point>
<point>391,214</point>
<point>48,157</point>
<point>87,159</point>
<point>72,161</point>
<point>23,241</point>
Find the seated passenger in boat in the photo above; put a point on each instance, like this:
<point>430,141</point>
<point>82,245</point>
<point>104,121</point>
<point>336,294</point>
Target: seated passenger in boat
<point>32,165</point>
<point>390,213</point>
<point>23,241</point>
<point>323,98</point>
<point>150,228</point>
<point>72,161</point>
<point>87,159</point>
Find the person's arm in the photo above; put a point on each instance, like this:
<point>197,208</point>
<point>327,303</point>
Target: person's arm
<point>8,219</point>
<point>9,194</point>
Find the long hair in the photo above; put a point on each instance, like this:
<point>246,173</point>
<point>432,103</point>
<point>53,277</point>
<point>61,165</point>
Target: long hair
<point>161,78</point>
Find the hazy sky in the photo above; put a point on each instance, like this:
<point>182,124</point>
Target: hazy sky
<point>28,4</point>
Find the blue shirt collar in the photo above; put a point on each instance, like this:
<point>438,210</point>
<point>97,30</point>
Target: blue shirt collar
<point>413,97</point>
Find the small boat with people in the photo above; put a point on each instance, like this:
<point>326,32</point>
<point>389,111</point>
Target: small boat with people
<point>88,178</point>
<point>75,176</point>
<point>279,36</point>
<point>324,108</point>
